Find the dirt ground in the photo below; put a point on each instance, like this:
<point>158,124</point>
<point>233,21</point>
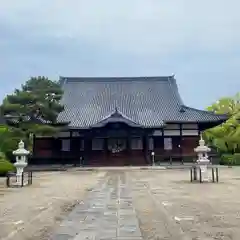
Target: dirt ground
<point>167,205</point>
<point>29,212</point>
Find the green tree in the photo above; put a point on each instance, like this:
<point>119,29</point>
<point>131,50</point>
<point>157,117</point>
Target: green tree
<point>33,109</point>
<point>3,137</point>
<point>226,137</point>
<point>227,105</point>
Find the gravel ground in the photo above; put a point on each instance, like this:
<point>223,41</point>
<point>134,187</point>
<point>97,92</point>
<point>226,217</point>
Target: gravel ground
<point>31,212</point>
<point>170,207</point>
<point>167,206</point>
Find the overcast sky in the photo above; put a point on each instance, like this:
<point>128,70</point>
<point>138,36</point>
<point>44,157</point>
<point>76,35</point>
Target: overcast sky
<point>198,41</point>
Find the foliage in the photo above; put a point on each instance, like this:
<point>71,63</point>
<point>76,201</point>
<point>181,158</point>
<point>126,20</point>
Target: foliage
<point>230,159</point>
<point>30,110</point>
<point>2,156</point>
<point>227,105</point>
<point>237,158</point>
<point>3,136</point>
<point>34,107</point>
<point>227,159</point>
<point>9,139</point>
<point>5,167</point>
<point>226,137</point>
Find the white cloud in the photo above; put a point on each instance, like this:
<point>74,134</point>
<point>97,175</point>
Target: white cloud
<point>136,26</point>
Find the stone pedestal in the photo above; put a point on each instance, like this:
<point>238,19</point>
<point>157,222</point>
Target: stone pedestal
<point>204,172</point>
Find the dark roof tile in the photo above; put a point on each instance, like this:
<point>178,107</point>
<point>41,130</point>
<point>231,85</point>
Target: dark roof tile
<point>145,101</point>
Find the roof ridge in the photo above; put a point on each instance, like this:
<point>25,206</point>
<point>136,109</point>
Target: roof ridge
<point>64,80</point>
<point>174,87</point>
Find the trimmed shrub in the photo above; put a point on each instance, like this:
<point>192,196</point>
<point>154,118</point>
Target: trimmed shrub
<point>230,159</point>
<point>5,167</point>
<point>237,158</point>
<point>227,159</point>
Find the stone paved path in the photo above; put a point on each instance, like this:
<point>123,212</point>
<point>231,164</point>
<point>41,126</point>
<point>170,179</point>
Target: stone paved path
<point>125,204</point>
<point>155,205</point>
<point>106,214</point>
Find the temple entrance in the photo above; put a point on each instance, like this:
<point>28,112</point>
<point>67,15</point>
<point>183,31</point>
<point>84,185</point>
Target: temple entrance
<point>117,151</point>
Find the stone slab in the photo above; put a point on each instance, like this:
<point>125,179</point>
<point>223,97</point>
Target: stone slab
<point>104,214</point>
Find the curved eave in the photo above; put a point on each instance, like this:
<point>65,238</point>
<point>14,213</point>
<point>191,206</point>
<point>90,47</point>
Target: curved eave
<point>116,117</point>
<point>217,121</point>
<point>184,107</point>
<point>104,122</point>
<point>202,116</point>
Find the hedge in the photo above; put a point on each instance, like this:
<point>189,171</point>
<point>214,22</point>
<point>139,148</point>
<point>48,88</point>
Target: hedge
<point>237,158</point>
<point>230,159</point>
<point>5,167</point>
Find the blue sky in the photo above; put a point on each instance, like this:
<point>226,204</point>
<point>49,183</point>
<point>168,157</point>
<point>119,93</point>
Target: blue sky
<point>198,41</point>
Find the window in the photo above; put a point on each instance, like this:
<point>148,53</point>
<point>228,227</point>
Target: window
<point>136,144</point>
<point>65,145</point>
<point>75,134</point>
<point>189,132</point>
<point>157,133</point>
<point>173,126</point>
<point>171,132</point>
<point>189,126</point>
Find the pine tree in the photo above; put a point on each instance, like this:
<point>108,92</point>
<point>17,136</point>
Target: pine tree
<point>34,108</point>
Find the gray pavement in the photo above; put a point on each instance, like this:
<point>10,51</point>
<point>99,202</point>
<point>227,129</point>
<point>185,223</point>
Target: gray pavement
<point>107,213</point>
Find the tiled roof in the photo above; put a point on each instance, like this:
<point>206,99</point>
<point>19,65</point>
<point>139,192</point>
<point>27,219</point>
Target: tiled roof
<point>143,101</point>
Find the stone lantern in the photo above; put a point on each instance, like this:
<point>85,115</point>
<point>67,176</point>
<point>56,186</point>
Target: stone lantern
<point>21,161</point>
<point>203,161</point>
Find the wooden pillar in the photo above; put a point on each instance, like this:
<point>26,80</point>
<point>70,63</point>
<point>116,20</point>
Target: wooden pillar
<point>145,140</point>
<point>34,144</point>
<point>199,130</point>
<point>181,136</point>
<point>57,144</point>
<point>71,148</point>
<point>128,148</point>
<point>87,149</point>
<point>105,148</point>
<point>128,144</point>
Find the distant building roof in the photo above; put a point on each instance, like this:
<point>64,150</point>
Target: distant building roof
<point>141,101</point>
